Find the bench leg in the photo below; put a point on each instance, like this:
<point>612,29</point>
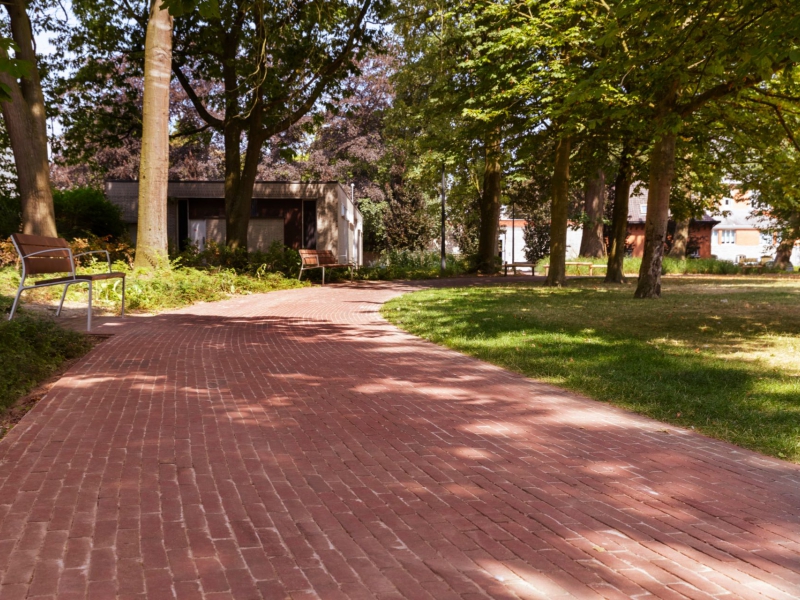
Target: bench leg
<point>323,275</point>
<point>16,302</point>
<point>63,297</point>
<point>300,276</point>
<point>122,311</point>
<point>89,316</point>
<point>351,274</point>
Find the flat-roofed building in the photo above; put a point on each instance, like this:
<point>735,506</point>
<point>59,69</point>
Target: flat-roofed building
<point>317,215</point>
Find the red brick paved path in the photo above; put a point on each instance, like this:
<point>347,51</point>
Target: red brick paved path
<point>294,445</point>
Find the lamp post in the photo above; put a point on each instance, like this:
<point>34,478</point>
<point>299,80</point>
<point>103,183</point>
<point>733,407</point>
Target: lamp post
<point>513,233</point>
<point>443,265</point>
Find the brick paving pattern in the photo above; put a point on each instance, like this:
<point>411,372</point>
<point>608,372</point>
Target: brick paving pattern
<point>295,445</point>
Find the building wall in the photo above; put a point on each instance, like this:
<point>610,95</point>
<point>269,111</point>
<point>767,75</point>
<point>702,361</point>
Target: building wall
<point>636,238</point>
<point>329,198</point>
<point>699,233</point>
<point>515,233</point>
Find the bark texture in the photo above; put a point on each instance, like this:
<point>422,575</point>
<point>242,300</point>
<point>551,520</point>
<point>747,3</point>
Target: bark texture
<point>151,237</point>
<point>619,221</point>
<point>592,242</point>
<point>680,240</point>
<point>559,209</point>
<point>26,123</point>
<point>662,170</point>
<point>783,255</point>
<point>490,205</point>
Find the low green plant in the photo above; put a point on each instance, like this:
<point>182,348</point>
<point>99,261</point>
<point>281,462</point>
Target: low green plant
<point>277,259</point>
<point>669,266</point>
<point>156,290</point>
<point>405,264</point>
<point>31,349</point>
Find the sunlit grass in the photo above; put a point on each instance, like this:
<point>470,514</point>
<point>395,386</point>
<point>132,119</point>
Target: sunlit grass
<point>720,354</point>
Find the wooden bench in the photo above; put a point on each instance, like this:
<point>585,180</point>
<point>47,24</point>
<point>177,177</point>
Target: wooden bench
<point>515,265</point>
<point>45,255</point>
<point>591,266</point>
<point>321,259</point>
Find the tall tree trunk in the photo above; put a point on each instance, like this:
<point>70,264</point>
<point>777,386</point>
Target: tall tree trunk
<point>619,220</point>
<point>26,123</point>
<point>783,255</point>
<point>680,240</point>
<point>151,236</point>
<point>233,175</point>
<point>662,169</point>
<point>559,212</point>
<point>490,205</point>
<point>592,243</point>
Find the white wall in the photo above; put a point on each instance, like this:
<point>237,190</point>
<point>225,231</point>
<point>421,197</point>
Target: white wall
<point>351,229</point>
<point>518,243</point>
<point>573,242</point>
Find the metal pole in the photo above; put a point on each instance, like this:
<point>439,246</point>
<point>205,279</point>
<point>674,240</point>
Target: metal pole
<point>443,265</point>
<point>513,232</point>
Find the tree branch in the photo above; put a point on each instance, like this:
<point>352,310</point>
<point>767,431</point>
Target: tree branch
<point>786,127</point>
<point>722,90</point>
<point>323,79</point>
<point>194,131</point>
<point>198,104</point>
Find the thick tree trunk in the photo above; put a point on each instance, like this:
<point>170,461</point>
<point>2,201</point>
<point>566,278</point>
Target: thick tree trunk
<point>662,169</point>
<point>490,205</point>
<point>26,123</point>
<point>151,236</point>
<point>615,273</point>
<point>783,255</point>
<point>592,243</point>
<point>680,240</point>
<point>233,176</point>
<point>559,212</point>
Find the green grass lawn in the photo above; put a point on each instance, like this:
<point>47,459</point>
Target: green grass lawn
<point>720,354</point>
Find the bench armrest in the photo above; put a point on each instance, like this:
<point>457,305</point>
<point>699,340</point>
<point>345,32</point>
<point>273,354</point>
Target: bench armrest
<point>108,256</point>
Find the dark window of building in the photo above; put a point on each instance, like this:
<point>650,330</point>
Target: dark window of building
<point>183,224</point>
<point>310,224</point>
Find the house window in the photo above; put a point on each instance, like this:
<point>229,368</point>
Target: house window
<point>643,209</point>
<point>727,236</point>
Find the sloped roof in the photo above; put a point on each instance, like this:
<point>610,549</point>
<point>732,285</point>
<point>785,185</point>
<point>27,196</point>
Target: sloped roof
<point>637,208</point>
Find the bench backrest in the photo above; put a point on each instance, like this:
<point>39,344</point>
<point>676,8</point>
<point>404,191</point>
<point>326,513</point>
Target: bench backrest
<point>57,261</point>
<point>313,258</point>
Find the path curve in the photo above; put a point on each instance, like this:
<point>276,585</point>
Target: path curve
<point>296,445</point>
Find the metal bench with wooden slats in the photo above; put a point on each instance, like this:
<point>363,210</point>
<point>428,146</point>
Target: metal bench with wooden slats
<point>45,255</point>
<point>321,259</point>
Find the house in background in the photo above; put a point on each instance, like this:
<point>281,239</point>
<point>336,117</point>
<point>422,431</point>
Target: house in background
<point>313,215</point>
<point>511,242</point>
<point>700,230</point>
<point>739,235</point>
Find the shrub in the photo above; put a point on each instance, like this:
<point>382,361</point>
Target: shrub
<point>669,266</point>
<point>278,259</point>
<point>36,343</point>
<point>10,214</point>
<point>119,250</point>
<point>405,264</point>
<point>84,212</point>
